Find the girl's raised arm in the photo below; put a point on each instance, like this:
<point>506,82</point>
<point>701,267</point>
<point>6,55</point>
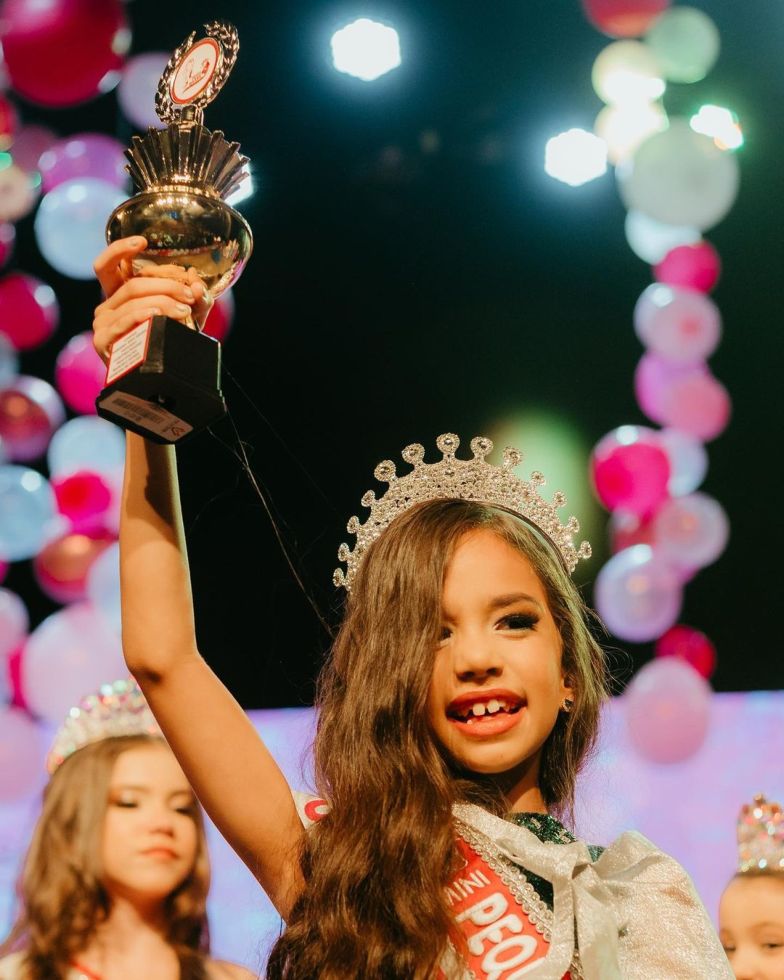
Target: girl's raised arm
<point>230,768</point>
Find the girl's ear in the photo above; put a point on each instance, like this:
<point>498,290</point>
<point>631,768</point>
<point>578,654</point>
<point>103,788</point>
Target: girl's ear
<point>567,687</point>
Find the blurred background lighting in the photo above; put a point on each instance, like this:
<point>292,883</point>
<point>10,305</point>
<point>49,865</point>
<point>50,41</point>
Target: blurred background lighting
<point>720,124</point>
<point>685,43</point>
<point>575,157</point>
<point>627,72</point>
<point>650,240</point>
<point>365,49</point>
<point>623,128</point>
<point>242,192</point>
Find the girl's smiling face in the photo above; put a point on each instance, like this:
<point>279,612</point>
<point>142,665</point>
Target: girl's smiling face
<point>497,683</point>
<point>751,926</point>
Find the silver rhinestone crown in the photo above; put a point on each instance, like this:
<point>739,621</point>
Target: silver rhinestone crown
<point>458,479</point>
<point>115,709</point>
<point>761,836</point>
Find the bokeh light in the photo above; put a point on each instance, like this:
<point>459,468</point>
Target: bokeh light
<point>624,127</point>
<point>575,157</point>
<point>685,42</point>
<point>720,124</point>
<point>366,49</point>
<point>627,72</point>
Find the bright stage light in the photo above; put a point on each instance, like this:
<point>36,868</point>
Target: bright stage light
<point>575,157</point>
<point>365,49</point>
<point>720,124</point>
<point>627,72</point>
<point>623,128</point>
<point>242,192</point>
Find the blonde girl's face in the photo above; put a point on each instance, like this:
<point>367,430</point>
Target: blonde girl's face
<point>150,837</point>
<point>497,684</point>
<point>751,926</point>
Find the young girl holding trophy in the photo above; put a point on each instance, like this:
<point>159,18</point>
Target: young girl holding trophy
<point>458,703</point>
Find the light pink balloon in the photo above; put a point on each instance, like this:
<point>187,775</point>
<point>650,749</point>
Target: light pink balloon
<point>654,377</point>
<point>72,651</point>
<point>630,470</point>
<point>30,143</point>
<point>697,404</point>
<point>83,155</point>
<point>696,266</point>
<point>30,413</point>
<point>138,85</point>
<point>22,754</point>
<point>691,531</point>
<point>680,324</point>
<point>668,706</point>
<point>14,622</point>
<point>637,594</point>
<point>688,460</point>
<point>80,374</point>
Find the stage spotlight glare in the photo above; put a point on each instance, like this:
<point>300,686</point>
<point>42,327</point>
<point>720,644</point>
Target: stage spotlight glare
<point>575,157</point>
<point>623,128</point>
<point>720,124</point>
<point>365,49</point>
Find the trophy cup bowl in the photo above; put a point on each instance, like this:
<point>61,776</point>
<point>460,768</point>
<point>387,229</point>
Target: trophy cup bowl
<point>163,376</point>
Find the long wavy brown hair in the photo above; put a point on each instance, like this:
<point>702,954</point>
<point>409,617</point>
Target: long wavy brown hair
<point>61,898</point>
<point>376,866</point>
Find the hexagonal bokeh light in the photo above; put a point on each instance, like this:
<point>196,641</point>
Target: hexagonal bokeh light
<point>366,49</point>
<point>575,157</point>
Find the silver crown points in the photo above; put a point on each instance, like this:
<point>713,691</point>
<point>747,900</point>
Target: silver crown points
<point>456,479</point>
<point>114,710</point>
<point>761,837</point>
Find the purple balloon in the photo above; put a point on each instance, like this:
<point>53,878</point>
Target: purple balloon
<point>29,143</point>
<point>84,155</point>
<point>680,324</point>
<point>667,710</point>
<point>691,531</point>
<point>21,755</point>
<point>138,85</point>
<point>638,594</point>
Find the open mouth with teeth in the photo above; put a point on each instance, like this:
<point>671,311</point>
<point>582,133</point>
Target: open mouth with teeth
<point>487,715</point>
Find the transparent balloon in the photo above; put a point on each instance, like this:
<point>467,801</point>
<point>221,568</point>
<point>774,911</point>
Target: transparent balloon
<point>62,565</point>
<point>86,443</point>
<point>79,373</point>
<point>686,43</point>
<point>689,645</point>
<point>630,470</point>
<point>31,411</point>
<point>691,531</point>
<point>28,512</point>
<point>84,155</point>
<point>70,225</point>
<point>14,623</point>
<point>679,177</point>
<point>668,708</point>
<point>637,594</point>
<point>103,585</point>
<point>29,312</point>
<point>690,266</point>
<point>688,461</point>
<point>138,86</point>
<point>70,652</point>
<point>651,240</point>
<point>22,754</point>
<point>626,72</point>
<point>681,325</point>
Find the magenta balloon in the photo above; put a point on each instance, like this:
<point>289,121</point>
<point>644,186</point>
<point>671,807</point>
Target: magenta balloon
<point>30,142</point>
<point>80,374</point>
<point>29,313</point>
<point>630,470</point>
<point>30,413</point>
<point>63,52</point>
<point>84,155</point>
<point>698,404</point>
<point>653,379</point>
<point>138,85</point>
<point>638,594</point>
<point>681,325</point>
<point>72,651</point>
<point>696,266</point>
<point>22,751</point>
<point>668,707</point>
<point>691,531</point>
<point>85,498</point>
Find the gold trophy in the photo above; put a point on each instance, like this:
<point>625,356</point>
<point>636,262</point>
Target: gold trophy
<point>163,377</point>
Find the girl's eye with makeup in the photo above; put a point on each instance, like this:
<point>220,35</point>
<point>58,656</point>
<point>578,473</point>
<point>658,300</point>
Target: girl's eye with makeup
<point>126,804</point>
<point>518,621</point>
<point>445,633</point>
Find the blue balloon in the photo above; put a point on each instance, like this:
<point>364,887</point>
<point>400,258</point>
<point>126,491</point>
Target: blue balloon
<point>28,512</point>
<point>70,226</point>
<point>86,443</point>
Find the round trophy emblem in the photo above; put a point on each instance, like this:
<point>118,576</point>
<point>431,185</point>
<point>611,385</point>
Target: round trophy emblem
<point>197,71</point>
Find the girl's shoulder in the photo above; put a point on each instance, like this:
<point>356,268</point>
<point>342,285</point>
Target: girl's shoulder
<point>223,970</point>
<point>11,967</point>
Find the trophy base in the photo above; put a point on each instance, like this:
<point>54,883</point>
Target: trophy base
<point>163,381</point>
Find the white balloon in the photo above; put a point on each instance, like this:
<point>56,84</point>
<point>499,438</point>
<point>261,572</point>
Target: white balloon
<point>686,43</point>
<point>86,443</point>
<point>651,240</point>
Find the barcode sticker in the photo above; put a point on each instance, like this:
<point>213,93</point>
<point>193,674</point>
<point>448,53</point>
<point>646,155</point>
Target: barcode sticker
<point>128,352</point>
<point>151,417</point>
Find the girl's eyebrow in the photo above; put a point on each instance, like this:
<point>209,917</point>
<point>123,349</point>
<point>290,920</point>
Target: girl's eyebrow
<point>501,601</point>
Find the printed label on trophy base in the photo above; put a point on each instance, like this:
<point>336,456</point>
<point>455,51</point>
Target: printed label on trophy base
<point>166,383</point>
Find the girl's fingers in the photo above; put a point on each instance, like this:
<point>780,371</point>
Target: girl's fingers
<point>113,263</point>
<point>141,286</point>
<point>109,325</point>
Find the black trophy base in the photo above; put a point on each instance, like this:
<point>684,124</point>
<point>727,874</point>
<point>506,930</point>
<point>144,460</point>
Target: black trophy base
<point>163,381</point>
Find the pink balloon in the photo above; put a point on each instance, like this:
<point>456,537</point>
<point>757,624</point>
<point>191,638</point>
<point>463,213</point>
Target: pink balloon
<point>30,142</point>
<point>85,498</point>
<point>80,374</point>
<point>18,193</point>
<point>220,317</point>
<point>680,324</point>
<point>623,18</point>
<point>630,470</point>
<point>698,404</point>
<point>637,594</point>
<point>30,413</point>
<point>627,529</point>
<point>62,566</point>
<point>668,708</point>
<point>3,570</point>
<point>688,460</point>
<point>696,266</point>
<point>84,155</point>
<point>14,622</point>
<point>653,379</point>
<point>72,651</point>
<point>14,662</point>
<point>21,755</point>
<point>689,645</point>
<point>9,121</point>
<point>691,531</point>
<point>7,239</point>
<point>63,52</point>
<point>138,85</point>
<point>29,313</point>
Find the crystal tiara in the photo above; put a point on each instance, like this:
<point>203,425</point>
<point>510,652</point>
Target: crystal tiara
<point>760,837</point>
<point>456,479</point>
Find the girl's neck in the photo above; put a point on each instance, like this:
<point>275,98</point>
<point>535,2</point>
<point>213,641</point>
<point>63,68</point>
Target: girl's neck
<point>521,787</point>
<point>132,932</point>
